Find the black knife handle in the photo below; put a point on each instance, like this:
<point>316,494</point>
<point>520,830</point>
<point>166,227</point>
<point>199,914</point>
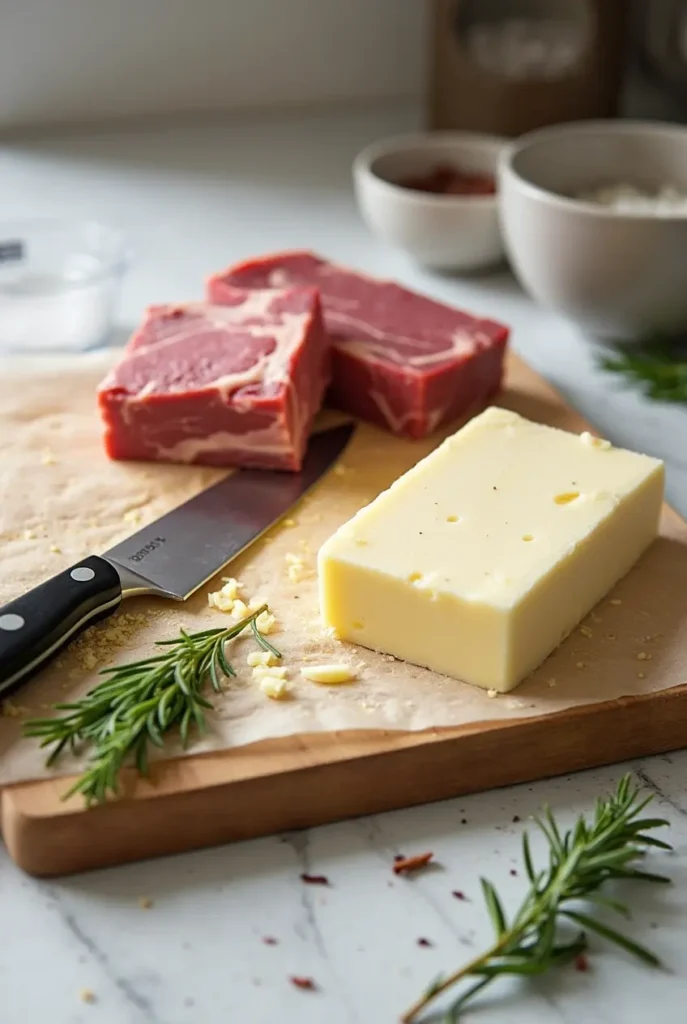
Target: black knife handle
<point>35,626</point>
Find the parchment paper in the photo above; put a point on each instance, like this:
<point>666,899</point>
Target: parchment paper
<point>61,499</point>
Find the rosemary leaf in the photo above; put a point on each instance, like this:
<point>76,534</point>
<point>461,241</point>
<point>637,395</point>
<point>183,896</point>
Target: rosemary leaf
<point>137,703</point>
<point>263,641</point>
<point>222,658</point>
<point>494,907</point>
<point>527,857</point>
<point>613,936</point>
<point>214,674</point>
<point>616,905</point>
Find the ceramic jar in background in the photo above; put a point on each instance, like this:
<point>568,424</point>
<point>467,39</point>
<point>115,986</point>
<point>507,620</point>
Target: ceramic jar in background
<point>510,66</point>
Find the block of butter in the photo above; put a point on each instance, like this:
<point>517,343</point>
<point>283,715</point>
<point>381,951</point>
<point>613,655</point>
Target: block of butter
<point>481,559</point>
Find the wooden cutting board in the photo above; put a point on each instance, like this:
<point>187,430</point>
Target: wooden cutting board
<point>306,780</point>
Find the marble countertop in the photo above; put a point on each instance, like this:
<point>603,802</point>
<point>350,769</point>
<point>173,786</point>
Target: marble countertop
<point>193,198</point>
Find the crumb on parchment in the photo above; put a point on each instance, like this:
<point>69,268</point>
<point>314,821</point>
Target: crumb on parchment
<point>273,686</point>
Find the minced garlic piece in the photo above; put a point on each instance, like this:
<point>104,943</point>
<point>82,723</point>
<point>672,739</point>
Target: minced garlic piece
<point>86,995</point>
<point>275,689</point>
<point>239,609</point>
<point>329,673</point>
<point>47,458</point>
<point>224,598</point>
<point>55,549</point>
<point>231,587</point>
<point>289,522</point>
<point>265,622</point>
<point>275,671</point>
<point>261,658</point>
<point>255,603</point>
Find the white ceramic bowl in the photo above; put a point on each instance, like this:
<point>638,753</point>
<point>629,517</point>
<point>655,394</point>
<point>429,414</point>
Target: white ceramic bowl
<point>621,275</point>
<point>445,232</point>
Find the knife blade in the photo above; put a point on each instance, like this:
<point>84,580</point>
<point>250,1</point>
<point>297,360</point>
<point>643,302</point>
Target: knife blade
<point>171,558</point>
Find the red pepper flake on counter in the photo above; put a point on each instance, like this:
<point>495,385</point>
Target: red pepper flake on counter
<point>406,865</point>
<point>424,942</point>
<point>314,879</point>
<point>307,984</point>
<point>458,894</point>
<point>269,940</point>
<point>445,180</point>
<point>581,963</point>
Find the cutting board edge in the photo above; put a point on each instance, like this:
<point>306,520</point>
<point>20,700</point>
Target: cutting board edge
<point>193,814</point>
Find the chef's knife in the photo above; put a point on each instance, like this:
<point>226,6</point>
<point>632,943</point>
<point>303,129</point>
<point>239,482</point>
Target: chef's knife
<point>171,557</point>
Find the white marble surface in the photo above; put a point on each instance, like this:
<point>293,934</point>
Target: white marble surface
<point>193,199</point>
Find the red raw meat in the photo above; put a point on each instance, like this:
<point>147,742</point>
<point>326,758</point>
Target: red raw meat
<point>230,385</point>
<point>399,359</point>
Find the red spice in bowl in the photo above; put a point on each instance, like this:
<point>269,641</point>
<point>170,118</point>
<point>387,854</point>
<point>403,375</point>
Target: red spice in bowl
<point>445,180</point>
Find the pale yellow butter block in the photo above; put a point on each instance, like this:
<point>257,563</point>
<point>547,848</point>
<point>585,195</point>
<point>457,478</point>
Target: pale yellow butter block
<point>481,559</point>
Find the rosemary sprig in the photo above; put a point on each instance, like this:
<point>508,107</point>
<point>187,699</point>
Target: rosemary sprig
<point>581,860</point>
<point>656,366</point>
<point>140,701</point>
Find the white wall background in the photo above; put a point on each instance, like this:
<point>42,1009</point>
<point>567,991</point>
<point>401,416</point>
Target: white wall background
<point>72,60</point>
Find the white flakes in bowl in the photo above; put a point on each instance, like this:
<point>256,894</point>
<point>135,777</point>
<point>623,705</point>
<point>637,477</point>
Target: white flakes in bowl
<point>667,201</point>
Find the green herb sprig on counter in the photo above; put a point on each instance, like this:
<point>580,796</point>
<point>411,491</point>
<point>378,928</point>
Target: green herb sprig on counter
<point>660,369</point>
<point>138,702</point>
<point>580,862</point>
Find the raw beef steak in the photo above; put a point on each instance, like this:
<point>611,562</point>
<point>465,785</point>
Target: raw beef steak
<point>399,359</point>
<point>230,385</point>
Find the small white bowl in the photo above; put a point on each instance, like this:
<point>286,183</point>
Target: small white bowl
<point>59,284</point>
<point>440,231</point>
<point>621,274</point>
